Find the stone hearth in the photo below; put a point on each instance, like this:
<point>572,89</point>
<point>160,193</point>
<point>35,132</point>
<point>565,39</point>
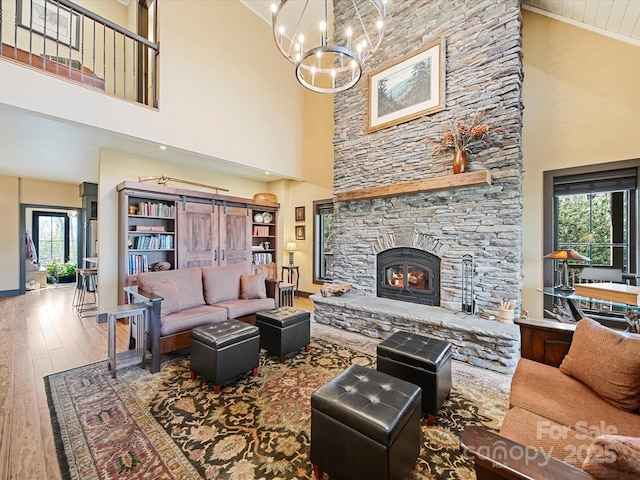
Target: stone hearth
<point>484,343</point>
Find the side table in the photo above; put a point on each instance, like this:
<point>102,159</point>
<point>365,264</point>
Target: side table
<point>285,297</point>
<point>137,315</point>
<point>293,274</point>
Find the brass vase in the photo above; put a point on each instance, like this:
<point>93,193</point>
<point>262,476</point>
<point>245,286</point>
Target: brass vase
<point>459,161</point>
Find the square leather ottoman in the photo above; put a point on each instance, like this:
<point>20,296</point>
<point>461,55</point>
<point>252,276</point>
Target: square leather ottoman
<point>224,350</point>
<point>421,360</point>
<point>365,425</point>
<point>284,330</point>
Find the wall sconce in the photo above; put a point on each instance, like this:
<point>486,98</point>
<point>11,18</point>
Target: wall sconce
<point>565,254</point>
<point>291,248</point>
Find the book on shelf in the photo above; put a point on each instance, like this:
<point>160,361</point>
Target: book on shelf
<point>138,264</point>
<point>150,228</point>
<point>260,231</point>
<point>262,258</point>
<point>151,242</point>
<point>150,209</point>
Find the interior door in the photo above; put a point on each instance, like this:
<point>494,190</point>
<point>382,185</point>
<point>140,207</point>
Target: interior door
<point>235,235</point>
<point>198,240</point>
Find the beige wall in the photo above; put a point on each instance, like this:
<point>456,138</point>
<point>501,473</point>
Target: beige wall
<point>582,107</point>
<point>117,167</point>
<point>43,192</point>
<point>293,194</point>
<point>15,191</point>
<point>9,234</point>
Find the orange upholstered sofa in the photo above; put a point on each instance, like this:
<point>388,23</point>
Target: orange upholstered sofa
<point>573,407</point>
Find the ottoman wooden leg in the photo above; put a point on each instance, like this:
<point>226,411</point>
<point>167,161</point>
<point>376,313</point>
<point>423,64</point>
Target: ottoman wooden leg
<point>307,348</point>
<point>193,375</point>
<point>431,419</point>
<point>254,372</point>
<point>281,359</point>
<point>317,471</point>
<point>216,389</point>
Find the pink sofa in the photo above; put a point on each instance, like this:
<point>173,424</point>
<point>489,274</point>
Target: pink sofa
<point>182,299</point>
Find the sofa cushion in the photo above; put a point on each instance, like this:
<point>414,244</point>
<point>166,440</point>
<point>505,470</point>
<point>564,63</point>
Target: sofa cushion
<point>612,457</point>
<point>223,283</point>
<point>546,391</point>
<point>188,281</point>
<point>563,443</point>
<point>170,296</point>
<point>252,286</point>
<point>186,319</point>
<point>240,308</point>
<point>607,361</point>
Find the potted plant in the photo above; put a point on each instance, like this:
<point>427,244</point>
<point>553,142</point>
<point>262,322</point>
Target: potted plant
<point>61,272</point>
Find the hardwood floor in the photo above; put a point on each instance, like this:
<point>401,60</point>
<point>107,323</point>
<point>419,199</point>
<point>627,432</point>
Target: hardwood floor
<point>40,334</point>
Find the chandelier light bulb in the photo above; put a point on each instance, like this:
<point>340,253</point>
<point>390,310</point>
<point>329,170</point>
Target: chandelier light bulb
<point>334,63</point>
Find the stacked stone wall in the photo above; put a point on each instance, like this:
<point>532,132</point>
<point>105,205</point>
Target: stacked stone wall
<point>483,72</point>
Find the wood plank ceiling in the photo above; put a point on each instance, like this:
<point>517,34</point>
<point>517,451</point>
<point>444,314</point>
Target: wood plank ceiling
<point>619,19</point>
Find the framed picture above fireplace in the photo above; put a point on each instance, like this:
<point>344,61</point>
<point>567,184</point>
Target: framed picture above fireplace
<point>408,88</point>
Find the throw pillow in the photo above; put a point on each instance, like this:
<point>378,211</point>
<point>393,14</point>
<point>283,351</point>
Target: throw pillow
<point>613,457</point>
<point>607,361</point>
<point>252,286</point>
<point>170,296</point>
<point>222,283</point>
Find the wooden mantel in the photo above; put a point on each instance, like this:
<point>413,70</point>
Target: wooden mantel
<point>461,180</point>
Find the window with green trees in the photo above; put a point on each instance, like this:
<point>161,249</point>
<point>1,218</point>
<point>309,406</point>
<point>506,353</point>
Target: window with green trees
<point>323,241</point>
<point>595,214</point>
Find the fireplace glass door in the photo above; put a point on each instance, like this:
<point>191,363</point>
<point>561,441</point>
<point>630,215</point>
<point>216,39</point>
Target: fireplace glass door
<point>410,275</point>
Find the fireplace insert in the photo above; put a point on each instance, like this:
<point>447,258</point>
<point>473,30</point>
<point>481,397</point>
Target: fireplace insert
<point>410,275</point>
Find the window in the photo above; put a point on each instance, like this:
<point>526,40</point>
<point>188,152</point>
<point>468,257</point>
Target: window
<point>593,210</point>
<point>322,241</point>
<point>55,236</point>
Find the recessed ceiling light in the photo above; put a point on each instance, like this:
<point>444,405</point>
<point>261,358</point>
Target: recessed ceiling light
<point>267,173</point>
<point>163,147</point>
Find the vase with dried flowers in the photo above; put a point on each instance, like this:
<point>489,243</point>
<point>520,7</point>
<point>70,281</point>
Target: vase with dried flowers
<point>461,137</point>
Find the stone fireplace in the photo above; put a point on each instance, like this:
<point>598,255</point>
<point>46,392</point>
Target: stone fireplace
<point>444,217</point>
<point>410,275</point>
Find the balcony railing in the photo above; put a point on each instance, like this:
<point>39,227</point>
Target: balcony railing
<point>67,40</point>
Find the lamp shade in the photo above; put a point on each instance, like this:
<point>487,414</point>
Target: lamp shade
<point>291,247</point>
<point>567,254</point>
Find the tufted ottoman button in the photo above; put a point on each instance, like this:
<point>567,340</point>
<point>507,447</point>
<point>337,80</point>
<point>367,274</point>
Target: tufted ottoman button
<point>421,360</point>
<point>365,424</point>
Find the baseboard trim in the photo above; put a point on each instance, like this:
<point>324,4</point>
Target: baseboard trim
<point>10,293</point>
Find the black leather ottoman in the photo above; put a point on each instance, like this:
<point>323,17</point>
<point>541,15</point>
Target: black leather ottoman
<point>225,350</point>
<point>423,361</point>
<point>365,425</point>
<point>284,330</point>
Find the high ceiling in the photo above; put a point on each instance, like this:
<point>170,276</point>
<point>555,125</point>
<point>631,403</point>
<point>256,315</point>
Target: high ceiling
<point>33,146</point>
<point>619,19</point>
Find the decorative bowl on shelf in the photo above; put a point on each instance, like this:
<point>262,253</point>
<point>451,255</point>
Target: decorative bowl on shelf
<point>265,197</point>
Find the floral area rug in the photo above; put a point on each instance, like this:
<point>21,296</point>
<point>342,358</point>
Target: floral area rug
<point>167,426</point>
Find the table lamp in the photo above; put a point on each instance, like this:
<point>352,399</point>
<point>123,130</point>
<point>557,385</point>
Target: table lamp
<point>565,254</point>
<point>291,248</point>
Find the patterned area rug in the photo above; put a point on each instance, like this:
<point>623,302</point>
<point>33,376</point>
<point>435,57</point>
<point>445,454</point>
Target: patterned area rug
<point>167,426</point>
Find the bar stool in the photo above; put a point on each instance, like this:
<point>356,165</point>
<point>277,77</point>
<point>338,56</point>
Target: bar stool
<point>87,281</point>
